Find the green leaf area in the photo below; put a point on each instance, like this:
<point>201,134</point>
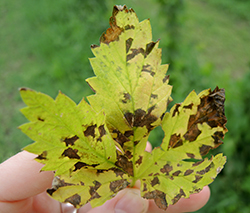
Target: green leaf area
<point>98,148</point>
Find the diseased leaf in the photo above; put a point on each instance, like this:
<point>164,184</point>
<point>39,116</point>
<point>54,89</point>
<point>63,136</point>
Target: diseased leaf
<point>98,148</point>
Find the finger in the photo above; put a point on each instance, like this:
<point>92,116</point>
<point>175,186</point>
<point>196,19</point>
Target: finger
<point>127,200</point>
<point>20,177</point>
<point>195,202</point>
<point>149,147</point>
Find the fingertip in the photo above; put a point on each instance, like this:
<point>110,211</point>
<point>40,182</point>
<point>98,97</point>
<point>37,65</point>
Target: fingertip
<point>193,203</point>
<point>131,202</point>
<point>22,177</point>
<point>148,147</point>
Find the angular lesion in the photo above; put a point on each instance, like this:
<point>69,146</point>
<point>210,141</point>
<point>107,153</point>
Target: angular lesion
<point>42,156</point>
<point>159,198</point>
<point>117,185</point>
<point>71,140</point>
<point>71,153</point>
<point>75,200</point>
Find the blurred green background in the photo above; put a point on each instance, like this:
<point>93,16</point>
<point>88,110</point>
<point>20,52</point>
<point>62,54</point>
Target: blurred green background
<point>45,45</point>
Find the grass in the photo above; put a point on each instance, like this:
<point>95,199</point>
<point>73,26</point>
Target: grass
<point>221,39</point>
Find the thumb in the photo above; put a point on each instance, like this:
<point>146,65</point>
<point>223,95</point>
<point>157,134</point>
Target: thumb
<point>131,202</point>
<point>127,200</point>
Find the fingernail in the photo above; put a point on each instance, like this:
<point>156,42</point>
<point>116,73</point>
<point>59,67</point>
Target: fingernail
<point>131,202</point>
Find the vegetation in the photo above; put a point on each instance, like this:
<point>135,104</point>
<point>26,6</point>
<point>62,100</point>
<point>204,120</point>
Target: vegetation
<point>46,46</point>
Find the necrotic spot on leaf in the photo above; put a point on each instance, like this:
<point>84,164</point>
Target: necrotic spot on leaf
<point>71,141</point>
<point>125,164</point>
<point>128,27</point>
<point>159,198</point>
<point>149,48</point>
<point>71,153</point>
<point>204,149</point>
<point>188,172</point>
<point>42,156</point>
<point>40,119</point>
<point>190,155</point>
<point>155,181</point>
<point>102,130</point>
<point>139,161</point>
<point>135,52</point>
<point>148,68</point>
<point>154,96</point>
<point>165,79</point>
<point>90,131</point>
<point>178,196</point>
<point>92,190</point>
<point>176,173</point>
<point>192,133</point>
<point>166,169</point>
<point>175,141</point>
<point>118,185</point>
<point>176,109</point>
<point>188,106</point>
<point>126,97</point>
<point>75,200</point>
<point>128,44</point>
<point>144,187</point>
<point>198,163</point>
<point>197,179</point>
<point>79,165</point>
<point>128,154</point>
<point>118,172</point>
<point>120,138</point>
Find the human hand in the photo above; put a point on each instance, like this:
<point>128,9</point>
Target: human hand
<point>23,190</point>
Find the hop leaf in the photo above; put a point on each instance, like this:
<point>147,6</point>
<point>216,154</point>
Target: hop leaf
<point>98,149</point>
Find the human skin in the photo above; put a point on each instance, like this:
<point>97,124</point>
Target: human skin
<point>23,190</point>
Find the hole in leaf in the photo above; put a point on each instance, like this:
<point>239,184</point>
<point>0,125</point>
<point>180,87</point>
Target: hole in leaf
<point>156,136</point>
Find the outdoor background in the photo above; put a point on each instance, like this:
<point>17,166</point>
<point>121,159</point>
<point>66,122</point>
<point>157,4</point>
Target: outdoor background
<point>45,45</point>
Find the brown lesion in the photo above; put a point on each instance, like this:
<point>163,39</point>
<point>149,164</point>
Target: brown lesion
<point>155,181</point>
<point>90,131</point>
<point>207,169</point>
<point>126,98</point>
<point>71,153</point>
<point>75,200</point>
<point>102,132</point>
<point>126,165</point>
<point>149,47</point>
<point>166,169</point>
<point>176,173</point>
<point>113,33</point>
<point>188,172</point>
<point>93,189</point>
<point>42,156</point>
<point>176,110</point>
<point>139,161</point>
<point>80,165</point>
<point>40,119</point>
<point>148,68</point>
<point>117,185</point>
<point>129,42</point>
<point>210,111</point>
<point>56,184</point>
<point>175,141</point>
<point>197,178</point>
<point>71,140</point>
<point>159,198</point>
<point>135,52</point>
<point>178,196</point>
